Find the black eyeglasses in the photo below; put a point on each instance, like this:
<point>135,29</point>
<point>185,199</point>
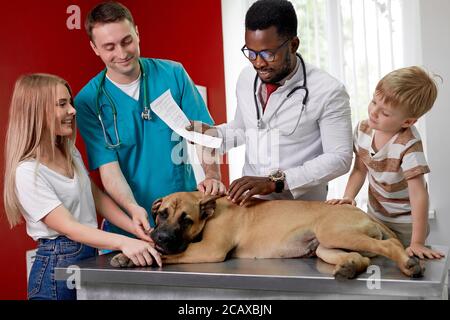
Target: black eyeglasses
<point>266,55</point>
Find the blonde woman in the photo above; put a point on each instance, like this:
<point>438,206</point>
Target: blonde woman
<point>47,184</point>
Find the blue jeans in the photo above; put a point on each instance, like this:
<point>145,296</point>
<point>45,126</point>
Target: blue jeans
<point>60,252</point>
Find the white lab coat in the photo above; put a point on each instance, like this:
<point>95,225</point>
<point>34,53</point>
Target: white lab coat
<point>319,150</point>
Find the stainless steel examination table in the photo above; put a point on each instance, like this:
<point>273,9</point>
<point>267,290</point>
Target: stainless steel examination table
<point>308,278</point>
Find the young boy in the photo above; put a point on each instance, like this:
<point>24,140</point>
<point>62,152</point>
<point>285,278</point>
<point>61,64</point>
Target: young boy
<point>388,149</point>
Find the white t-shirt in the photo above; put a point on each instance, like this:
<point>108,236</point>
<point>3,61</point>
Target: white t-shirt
<point>40,190</point>
<point>132,89</point>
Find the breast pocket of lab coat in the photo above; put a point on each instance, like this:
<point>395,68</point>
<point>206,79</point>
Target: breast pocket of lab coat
<point>295,124</point>
<point>124,128</point>
<point>129,129</point>
<point>117,129</point>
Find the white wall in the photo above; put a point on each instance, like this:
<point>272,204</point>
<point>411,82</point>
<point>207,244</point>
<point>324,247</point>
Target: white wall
<point>233,26</point>
<point>435,34</point>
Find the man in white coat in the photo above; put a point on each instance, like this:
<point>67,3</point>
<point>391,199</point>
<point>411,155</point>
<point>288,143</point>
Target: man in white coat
<point>293,117</point>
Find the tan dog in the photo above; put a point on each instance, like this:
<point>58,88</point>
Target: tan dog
<point>271,229</point>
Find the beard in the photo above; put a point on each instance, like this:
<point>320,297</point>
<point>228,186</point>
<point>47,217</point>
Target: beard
<point>283,72</point>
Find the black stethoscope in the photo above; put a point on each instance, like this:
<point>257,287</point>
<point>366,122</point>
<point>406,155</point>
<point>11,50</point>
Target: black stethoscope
<point>302,87</point>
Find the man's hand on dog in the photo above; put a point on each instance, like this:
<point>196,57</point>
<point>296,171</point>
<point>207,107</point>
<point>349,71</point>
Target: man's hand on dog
<point>241,190</point>
<point>141,225</point>
<point>212,186</point>
<point>422,252</point>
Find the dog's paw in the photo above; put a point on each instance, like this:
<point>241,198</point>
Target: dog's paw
<point>121,261</point>
<point>345,271</point>
<point>351,267</point>
<point>414,268</point>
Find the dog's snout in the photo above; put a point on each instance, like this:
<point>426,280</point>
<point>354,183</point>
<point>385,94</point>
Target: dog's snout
<point>162,237</point>
<point>168,240</point>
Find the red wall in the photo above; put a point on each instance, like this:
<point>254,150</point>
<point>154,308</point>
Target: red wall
<point>35,39</point>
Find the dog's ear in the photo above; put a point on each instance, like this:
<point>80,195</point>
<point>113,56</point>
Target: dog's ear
<point>207,206</point>
<point>155,207</point>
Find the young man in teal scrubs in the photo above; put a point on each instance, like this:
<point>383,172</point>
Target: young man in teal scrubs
<point>133,149</point>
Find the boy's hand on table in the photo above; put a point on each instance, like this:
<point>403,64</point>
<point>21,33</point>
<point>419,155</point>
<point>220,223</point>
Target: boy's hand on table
<point>422,252</point>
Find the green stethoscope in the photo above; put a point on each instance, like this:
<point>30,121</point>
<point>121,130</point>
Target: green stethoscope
<point>101,89</point>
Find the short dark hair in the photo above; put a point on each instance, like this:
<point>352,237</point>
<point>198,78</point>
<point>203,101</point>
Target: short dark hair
<point>107,12</point>
<point>264,14</point>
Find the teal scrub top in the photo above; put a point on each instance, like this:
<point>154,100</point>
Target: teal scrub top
<point>145,153</point>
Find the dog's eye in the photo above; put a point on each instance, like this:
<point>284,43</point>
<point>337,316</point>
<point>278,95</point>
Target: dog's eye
<point>163,214</point>
<point>185,220</point>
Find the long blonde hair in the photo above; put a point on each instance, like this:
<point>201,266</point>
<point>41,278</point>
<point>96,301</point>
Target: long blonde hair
<point>31,125</point>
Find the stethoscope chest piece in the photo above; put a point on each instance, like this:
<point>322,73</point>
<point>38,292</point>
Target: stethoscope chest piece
<point>260,123</point>
<point>146,114</point>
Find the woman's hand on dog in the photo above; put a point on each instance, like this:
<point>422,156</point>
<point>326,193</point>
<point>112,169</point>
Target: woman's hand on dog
<point>140,252</point>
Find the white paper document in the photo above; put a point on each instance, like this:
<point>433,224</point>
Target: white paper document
<point>167,109</point>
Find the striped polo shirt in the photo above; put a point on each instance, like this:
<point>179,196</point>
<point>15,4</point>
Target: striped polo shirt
<point>389,169</point>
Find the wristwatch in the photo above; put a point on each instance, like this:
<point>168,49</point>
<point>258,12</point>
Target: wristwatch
<point>278,177</point>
